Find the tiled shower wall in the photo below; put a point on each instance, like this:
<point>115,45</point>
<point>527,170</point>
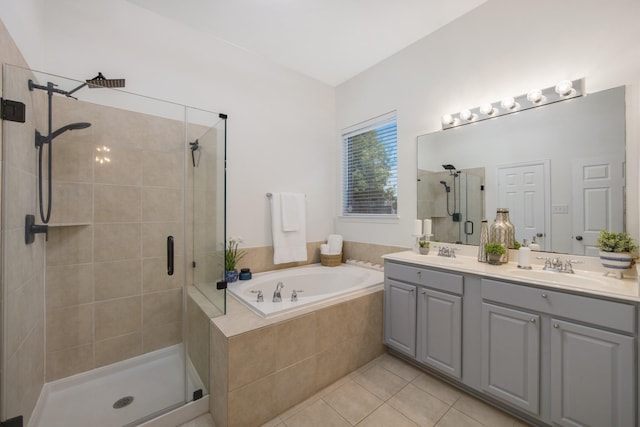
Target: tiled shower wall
<point>23,266</point>
<point>108,295</point>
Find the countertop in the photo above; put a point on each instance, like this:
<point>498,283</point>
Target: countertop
<point>589,278</point>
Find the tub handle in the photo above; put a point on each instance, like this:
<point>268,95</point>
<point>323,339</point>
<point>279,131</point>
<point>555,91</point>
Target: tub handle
<point>294,295</point>
<point>260,296</point>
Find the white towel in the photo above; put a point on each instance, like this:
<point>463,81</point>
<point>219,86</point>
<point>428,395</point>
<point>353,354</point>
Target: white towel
<point>289,203</point>
<point>335,244</point>
<point>288,246</point>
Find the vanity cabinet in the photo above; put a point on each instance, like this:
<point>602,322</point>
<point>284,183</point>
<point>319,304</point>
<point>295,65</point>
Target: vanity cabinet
<point>423,315</point>
<point>590,352</point>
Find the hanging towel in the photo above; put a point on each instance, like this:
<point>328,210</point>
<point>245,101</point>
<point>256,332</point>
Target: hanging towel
<point>289,211</point>
<point>335,244</point>
<point>288,246</point>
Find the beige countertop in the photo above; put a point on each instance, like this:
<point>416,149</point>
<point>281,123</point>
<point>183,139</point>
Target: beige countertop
<point>589,278</point>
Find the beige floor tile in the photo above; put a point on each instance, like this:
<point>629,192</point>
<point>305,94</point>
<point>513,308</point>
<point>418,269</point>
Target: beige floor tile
<point>399,367</point>
<point>386,416</point>
<point>380,382</point>
<point>482,412</point>
<point>454,418</point>
<point>319,414</point>
<point>437,388</point>
<point>353,402</point>
<point>419,406</point>
<point>276,422</point>
<point>299,407</point>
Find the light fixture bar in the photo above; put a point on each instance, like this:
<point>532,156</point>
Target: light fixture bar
<point>564,90</point>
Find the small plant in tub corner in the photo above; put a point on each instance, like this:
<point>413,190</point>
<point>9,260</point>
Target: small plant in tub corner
<point>616,252</point>
<point>231,257</point>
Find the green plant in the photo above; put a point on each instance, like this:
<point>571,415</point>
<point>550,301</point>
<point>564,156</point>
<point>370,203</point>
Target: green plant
<point>615,242</point>
<point>424,243</point>
<point>494,248</point>
<point>231,254</point>
<point>516,245</point>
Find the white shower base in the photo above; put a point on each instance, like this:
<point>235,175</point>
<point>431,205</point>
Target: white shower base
<point>155,380</point>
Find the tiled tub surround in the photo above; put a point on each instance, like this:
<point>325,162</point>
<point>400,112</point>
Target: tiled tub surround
<point>261,367</point>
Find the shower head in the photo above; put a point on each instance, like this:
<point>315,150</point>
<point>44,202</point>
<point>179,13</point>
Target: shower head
<point>449,167</point>
<point>72,126</point>
<point>101,81</point>
<point>446,187</point>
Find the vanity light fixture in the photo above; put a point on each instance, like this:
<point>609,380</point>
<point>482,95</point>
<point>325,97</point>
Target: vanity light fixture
<point>565,89</point>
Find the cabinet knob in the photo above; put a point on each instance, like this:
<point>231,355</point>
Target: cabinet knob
<point>543,295</point>
<point>533,320</point>
<point>555,325</point>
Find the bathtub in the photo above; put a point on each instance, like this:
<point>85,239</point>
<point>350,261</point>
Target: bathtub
<point>314,284</point>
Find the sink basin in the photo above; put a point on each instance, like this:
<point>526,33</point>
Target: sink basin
<point>560,278</point>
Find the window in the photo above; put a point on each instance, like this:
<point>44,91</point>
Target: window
<point>370,168</point>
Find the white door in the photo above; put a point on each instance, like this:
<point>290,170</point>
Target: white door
<point>598,195</point>
<point>521,188</point>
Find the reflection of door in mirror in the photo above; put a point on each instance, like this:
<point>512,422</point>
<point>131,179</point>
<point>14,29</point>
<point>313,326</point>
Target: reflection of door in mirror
<point>454,201</point>
<point>598,187</point>
<point>522,188</point>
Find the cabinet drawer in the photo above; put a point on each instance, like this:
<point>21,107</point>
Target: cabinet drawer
<point>609,314</point>
<point>438,280</point>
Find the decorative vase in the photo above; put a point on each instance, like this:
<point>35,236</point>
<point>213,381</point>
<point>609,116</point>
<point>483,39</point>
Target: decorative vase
<point>616,262</point>
<point>484,239</point>
<point>494,259</point>
<point>231,276</point>
<point>424,251</point>
<point>503,232</point>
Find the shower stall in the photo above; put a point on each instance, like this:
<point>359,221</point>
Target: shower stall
<point>105,235</point>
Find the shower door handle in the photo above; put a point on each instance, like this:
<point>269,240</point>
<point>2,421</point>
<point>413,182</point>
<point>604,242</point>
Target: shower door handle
<point>468,231</point>
<point>170,255</point>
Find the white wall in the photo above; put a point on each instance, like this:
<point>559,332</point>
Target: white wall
<point>281,125</point>
<point>501,48</point>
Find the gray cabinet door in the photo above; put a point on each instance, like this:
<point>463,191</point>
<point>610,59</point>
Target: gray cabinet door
<point>400,316</point>
<point>440,330</point>
<point>591,376</point>
<point>511,356</point>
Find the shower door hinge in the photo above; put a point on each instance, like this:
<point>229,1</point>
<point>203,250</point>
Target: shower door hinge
<point>13,422</point>
<point>14,111</point>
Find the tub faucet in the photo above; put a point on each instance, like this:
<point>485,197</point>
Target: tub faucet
<point>276,294</point>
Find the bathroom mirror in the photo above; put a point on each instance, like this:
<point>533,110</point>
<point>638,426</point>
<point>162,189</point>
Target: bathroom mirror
<point>558,168</point>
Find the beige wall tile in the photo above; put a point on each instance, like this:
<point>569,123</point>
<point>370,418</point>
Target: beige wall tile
<point>332,326</point>
<point>116,203</point>
<point>160,308</point>
<point>69,285</point>
<point>261,258</point>
<point>71,203</point>
<point>117,317</point>
<point>116,242</point>
<point>124,168</point>
<point>64,363</point>
<point>25,312</point>
<point>332,364</point>
<point>295,383</point>
<point>70,245</point>
<point>117,279</point>
<point>113,350</point>
<point>20,187</point>
<point>296,340</point>
<point>244,348</point>
<point>69,327</point>
<point>74,154</point>
<point>198,340</point>
<point>161,204</point>
<point>219,376</point>
<point>163,169</point>
<point>253,404</point>
<point>155,277</point>
<point>22,262</point>
<point>154,238</point>
<point>160,336</point>
<point>369,252</point>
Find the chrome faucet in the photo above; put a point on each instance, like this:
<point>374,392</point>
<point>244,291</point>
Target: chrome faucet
<point>294,295</point>
<point>276,294</point>
<point>556,265</point>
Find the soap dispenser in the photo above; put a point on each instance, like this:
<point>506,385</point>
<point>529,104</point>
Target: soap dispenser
<point>534,246</point>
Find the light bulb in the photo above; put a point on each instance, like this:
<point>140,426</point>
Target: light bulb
<point>534,96</point>
<point>447,119</point>
<point>565,88</point>
<point>466,115</point>
<point>508,103</point>
<point>487,109</point>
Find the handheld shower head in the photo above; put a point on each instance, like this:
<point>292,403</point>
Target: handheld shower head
<point>446,187</point>
<point>72,126</point>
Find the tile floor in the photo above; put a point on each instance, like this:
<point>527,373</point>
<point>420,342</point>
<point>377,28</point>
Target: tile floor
<point>387,392</point>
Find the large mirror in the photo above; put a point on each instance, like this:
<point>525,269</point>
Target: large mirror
<point>558,168</point>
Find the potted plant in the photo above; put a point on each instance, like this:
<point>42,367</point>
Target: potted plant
<point>424,247</point>
<point>494,252</point>
<point>231,257</point>
<point>616,252</point>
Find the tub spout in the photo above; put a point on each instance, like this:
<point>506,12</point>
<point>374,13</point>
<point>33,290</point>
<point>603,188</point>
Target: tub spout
<point>276,294</point>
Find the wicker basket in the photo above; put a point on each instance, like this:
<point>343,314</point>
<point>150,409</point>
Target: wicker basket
<point>331,260</point>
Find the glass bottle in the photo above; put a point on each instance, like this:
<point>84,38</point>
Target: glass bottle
<point>502,231</point>
<point>484,239</point>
